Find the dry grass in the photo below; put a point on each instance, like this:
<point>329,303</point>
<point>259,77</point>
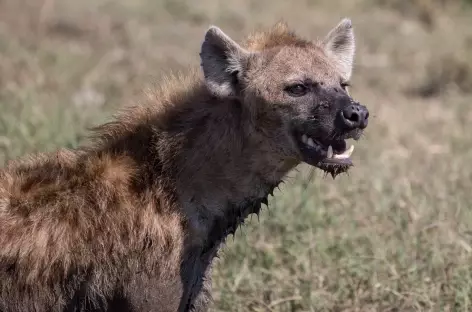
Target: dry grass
<point>394,235</point>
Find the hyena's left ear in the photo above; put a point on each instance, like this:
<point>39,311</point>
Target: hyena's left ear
<point>340,44</point>
<point>222,60</point>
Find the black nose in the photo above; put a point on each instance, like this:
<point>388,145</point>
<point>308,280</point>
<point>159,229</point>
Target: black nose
<point>355,116</point>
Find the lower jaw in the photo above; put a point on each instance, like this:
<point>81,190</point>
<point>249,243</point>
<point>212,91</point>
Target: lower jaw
<point>331,165</point>
<point>337,162</point>
<point>334,168</point>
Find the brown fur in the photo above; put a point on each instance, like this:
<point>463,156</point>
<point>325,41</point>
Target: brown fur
<point>132,221</point>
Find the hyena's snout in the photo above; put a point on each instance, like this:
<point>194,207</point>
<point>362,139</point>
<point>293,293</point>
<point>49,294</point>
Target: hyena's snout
<point>354,116</point>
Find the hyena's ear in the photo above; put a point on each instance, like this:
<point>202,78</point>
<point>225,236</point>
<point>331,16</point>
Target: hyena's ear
<point>340,44</point>
<point>222,60</point>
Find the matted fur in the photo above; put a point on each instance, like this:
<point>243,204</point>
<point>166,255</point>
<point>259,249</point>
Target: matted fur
<point>132,220</point>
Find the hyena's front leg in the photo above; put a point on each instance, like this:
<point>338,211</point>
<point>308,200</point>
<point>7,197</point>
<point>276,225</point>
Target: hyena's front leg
<point>204,298</point>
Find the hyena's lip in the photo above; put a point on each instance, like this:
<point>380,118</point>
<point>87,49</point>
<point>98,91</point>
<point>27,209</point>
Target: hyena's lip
<point>332,157</point>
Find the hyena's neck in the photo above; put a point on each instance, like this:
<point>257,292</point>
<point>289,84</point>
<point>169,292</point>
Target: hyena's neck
<point>225,171</point>
<point>233,217</point>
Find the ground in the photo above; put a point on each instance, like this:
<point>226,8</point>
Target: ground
<point>393,235</point>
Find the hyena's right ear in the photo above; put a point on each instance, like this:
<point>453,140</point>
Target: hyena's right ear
<point>340,44</point>
<point>222,60</point>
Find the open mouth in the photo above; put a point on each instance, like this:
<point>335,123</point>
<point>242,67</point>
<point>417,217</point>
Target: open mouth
<point>331,156</point>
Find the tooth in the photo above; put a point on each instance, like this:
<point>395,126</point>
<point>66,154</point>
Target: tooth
<point>304,138</point>
<point>347,153</point>
<point>330,151</point>
<point>310,142</point>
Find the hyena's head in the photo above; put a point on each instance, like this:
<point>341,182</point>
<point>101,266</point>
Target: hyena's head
<point>296,90</point>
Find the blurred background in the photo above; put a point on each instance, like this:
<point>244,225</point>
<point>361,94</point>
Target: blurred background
<point>393,235</point>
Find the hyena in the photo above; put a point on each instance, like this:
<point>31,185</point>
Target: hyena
<point>132,220</point>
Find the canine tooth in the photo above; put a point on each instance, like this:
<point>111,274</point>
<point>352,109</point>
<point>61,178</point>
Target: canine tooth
<point>330,151</point>
<point>310,142</point>
<point>347,153</point>
<point>304,139</point>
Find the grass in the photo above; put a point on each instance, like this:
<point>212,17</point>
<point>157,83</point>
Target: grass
<point>394,235</point>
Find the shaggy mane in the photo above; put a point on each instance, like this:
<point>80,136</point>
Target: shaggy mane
<point>174,93</point>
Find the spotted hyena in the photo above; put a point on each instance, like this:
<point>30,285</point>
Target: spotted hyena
<point>133,220</point>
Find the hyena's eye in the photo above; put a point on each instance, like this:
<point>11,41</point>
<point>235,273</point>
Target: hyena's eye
<point>345,85</point>
<point>296,89</point>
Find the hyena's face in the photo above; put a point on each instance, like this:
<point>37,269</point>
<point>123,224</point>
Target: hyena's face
<point>297,89</point>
